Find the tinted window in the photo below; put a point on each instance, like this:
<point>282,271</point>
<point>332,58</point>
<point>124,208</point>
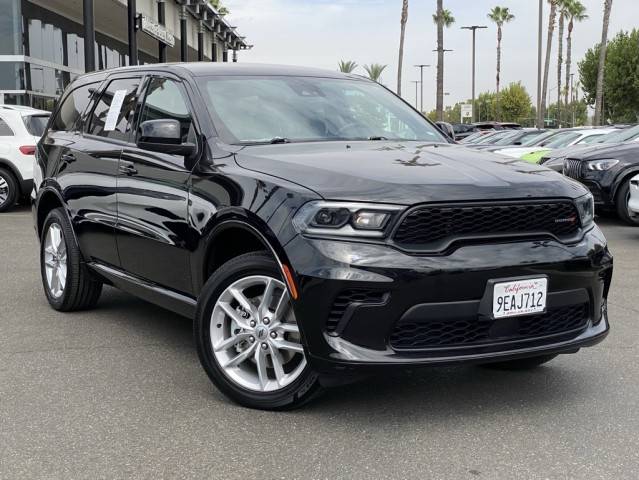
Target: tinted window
<point>36,124</point>
<point>112,114</point>
<point>260,109</point>
<point>66,119</point>
<point>164,100</point>
<point>5,130</point>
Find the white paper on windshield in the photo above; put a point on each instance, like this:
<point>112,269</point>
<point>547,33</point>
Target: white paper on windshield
<point>114,111</point>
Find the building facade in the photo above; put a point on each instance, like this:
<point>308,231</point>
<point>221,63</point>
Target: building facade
<point>44,45</point>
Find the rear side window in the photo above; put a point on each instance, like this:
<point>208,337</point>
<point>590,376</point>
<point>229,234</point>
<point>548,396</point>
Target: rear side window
<point>68,115</point>
<point>164,100</point>
<point>36,124</point>
<point>112,114</point>
<point>5,130</point>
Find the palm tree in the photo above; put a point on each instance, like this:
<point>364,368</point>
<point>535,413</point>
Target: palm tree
<point>347,66</point>
<point>374,71</point>
<point>499,15</point>
<point>551,30</point>
<point>402,22</point>
<point>576,12</point>
<point>602,63</point>
<point>562,5</point>
<point>442,18</point>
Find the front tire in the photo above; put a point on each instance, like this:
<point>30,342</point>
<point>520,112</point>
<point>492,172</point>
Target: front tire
<point>623,210</point>
<point>67,282</point>
<point>247,336</point>
<point>8,190</point>
<point>521,363</point>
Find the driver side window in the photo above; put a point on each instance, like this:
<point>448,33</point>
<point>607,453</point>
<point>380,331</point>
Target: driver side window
<point>164,100</point>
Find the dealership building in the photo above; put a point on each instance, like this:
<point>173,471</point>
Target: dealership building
<point>44,42</point>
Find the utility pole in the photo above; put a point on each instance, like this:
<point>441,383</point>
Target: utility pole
<point>416,82</point>
<point>474,30</point>
<point>540,116</point>
<point>421,80</point>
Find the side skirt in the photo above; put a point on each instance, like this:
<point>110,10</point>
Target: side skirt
<point>151,292</point>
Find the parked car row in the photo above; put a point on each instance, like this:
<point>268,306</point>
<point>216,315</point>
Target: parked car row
<point>606,160</point>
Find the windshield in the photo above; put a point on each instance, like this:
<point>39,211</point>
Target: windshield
<point>626,135</point>
<point>562,139</point>
<point>540,139</point>
<point>36,124</point>
<point>492,138</point>
<point>591,139</point>
<point>250,110</point>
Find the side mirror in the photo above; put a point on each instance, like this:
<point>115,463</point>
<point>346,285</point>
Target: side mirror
<point>164,136</point>
<point>517,143</point>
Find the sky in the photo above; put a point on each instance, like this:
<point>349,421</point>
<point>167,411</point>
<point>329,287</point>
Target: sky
<point>320,33</point>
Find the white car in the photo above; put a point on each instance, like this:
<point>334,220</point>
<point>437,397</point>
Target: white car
<point>20,130</point>
<point>633,203</point>
<point>561,139</point>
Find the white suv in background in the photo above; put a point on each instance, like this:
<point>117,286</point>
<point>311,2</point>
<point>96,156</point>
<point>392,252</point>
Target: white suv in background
<point>20,130</point>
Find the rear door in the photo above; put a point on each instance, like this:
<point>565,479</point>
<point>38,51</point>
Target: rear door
<point>153,194</point>
<point>89,168</point>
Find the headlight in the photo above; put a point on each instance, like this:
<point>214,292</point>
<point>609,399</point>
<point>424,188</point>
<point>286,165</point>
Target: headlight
<point>345,218</point>
<point>601,165</point>
<point>586,209</point>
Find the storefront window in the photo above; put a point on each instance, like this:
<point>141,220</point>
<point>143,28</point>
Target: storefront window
<point>10,27</point>
<point>12,76</point>
<point>45,42</point>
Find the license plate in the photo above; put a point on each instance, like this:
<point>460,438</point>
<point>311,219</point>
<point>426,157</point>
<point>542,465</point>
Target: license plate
<point>519,297</point>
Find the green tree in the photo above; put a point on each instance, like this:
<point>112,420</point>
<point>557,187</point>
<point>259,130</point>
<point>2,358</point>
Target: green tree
<point>499,15</point>
<point>576,13</point>
<point>402,35</point>
<point>374,71</point>
<point>221,9</point>
<point>580,110</point>
<point>485,104</point>
<point>442,18</point>
<point>620,89</point>
<point>515,103</point>
<point>347,66</point>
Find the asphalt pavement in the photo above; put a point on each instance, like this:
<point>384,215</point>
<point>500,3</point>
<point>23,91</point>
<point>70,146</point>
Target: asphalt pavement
<point>118,392</point>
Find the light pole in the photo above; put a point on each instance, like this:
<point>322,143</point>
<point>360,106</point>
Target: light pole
<point>421,80</point>
<point>416,82</point>
<point>474,30</point>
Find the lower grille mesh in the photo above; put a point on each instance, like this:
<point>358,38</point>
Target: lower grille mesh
<point>478,330</point>
<point>347,298</point>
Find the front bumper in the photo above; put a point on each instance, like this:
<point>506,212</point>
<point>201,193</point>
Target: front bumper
<point>354,331</point>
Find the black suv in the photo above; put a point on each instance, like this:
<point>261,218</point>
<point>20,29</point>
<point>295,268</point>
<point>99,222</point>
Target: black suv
<point>314,226</point>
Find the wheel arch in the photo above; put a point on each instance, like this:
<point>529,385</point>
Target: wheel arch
<point>234,236</point>
<point>48,199</point>
<point>620,179</point>
<point>8,165</point>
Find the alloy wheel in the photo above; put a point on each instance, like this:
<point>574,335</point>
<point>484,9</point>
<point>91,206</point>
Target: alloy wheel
<point>4,190</point>
<point>55,260</point>
<point>254,334</point>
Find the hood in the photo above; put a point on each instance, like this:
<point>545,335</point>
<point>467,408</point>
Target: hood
<point>404,173</point>
<point>623,151</point>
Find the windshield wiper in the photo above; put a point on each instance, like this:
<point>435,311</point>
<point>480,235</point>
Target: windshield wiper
<point>275,140</point>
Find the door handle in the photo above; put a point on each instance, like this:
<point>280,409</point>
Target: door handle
<point>127,169</point>
<point>68,158</point>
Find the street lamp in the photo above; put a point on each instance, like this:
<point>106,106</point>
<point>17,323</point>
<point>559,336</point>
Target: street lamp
<point>474,30</point>
<point>416,82</point>
<point>421,77</point>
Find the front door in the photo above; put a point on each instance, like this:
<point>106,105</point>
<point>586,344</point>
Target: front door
<point>153,196</point>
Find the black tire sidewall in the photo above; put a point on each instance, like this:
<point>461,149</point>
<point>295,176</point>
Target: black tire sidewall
<point>12,183</point>
<point>293,395</point>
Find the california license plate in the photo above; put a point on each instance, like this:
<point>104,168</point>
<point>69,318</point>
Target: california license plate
<point>519,297</point>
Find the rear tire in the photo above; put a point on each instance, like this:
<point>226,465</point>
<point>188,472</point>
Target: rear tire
<point>67,282</point>
<point>520,364</point>
<point>251,348</point>
<point>621,204</point>
<point>9,191</point>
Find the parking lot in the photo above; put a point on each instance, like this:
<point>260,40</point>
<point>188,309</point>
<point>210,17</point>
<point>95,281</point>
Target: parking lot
<point>118,392</point>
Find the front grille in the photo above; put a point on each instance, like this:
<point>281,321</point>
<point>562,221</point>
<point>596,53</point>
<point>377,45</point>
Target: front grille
<point>572,168</point>
<point>348,298</point>
<point>481,330</point>
<point>431,227</point>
